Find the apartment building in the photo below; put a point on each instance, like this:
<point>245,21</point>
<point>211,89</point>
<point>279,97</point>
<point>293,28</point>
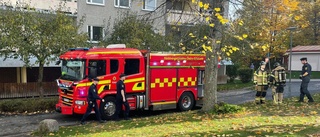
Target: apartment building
<point>100,15</point>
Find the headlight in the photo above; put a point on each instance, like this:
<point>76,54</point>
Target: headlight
<point>79,102</point>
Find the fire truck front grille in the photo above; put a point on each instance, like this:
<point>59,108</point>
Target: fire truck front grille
<point>67,100</point>
<point>66,92</point>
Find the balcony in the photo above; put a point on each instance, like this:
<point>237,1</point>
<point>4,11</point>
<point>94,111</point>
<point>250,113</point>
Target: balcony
<point>183,17</point>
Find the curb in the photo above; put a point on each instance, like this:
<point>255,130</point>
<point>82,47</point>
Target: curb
<point>235,92</point>
<point>296,80</point>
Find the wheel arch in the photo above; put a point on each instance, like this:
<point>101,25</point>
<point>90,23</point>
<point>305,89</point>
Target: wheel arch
<point>105,94</point>
<point>182,91</point>
<point>184,99</point>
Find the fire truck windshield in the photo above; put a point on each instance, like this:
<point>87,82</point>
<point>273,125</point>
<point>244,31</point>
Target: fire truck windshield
<point>72,70</point>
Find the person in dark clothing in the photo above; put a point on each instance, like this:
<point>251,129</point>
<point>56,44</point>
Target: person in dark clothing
<point>92,102</point>
<point>121,99</point>
<point>305,76</point>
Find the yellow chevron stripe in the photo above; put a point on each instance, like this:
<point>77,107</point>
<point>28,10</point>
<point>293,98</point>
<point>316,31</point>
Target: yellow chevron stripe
<point>101,89</point>
<point>84,84</point>
<point>102,82</point>
<point>134,80</point>
<point>136,88</point>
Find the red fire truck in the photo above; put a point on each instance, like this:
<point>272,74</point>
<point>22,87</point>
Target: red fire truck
<point>154,81</point>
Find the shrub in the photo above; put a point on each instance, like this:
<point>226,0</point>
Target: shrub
<point>231,71</point>
<point>28,104</point>
<point>245,74</point>
<point>224,108</point>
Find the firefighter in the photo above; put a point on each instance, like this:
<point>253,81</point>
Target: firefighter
<point>92,102</point>
<point>305,77</point>
<point>277,80</point>
<point>261,83</point>
<point>121,99</point>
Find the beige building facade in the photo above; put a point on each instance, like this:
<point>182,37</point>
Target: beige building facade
<point>100,15</point>
<point>43,5</point>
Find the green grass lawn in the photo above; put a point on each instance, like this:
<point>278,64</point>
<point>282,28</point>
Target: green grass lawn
<point>291,119</point>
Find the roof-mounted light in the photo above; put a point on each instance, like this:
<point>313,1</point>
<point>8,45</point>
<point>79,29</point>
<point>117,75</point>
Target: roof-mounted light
<point>113,46</point>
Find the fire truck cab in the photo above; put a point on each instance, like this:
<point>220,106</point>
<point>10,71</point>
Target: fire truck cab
<point>154,81</point>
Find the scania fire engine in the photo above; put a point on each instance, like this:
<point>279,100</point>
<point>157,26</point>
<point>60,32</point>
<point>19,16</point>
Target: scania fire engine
<point>154,81</point>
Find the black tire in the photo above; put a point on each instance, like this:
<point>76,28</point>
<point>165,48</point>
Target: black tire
<point>186,101</point>
<point>108,108</point>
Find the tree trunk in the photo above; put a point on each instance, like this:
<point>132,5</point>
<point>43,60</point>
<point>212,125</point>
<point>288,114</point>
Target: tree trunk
<point>40,78</point>
<point>210,85</point>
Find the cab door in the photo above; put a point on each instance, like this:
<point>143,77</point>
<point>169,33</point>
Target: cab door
<point>113,71</point>
<point>96,67</point>
<point>134,70</point>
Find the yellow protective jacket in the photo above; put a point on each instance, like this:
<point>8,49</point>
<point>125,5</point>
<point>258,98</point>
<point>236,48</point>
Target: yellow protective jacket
<point>260,77</point>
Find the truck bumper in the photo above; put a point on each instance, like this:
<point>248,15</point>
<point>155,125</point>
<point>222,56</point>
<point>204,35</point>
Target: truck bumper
<point>66,110</point>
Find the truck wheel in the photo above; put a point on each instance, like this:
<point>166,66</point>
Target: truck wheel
<point>108,108</point>
<point>186,101</point>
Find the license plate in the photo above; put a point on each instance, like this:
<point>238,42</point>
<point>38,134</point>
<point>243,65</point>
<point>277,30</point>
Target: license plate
<point>66,100</point>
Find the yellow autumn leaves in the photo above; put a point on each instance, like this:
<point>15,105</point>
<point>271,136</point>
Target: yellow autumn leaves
<point>228,50</point>
<point>209,18</point>
<point>241,37</point>
<point>205,6</point>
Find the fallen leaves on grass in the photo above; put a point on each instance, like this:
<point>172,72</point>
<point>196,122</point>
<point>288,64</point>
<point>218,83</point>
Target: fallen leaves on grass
<point>290,118</point>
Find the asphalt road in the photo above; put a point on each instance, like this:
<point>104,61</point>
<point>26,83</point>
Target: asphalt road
<point>242,96</point>
<point>22,125</point>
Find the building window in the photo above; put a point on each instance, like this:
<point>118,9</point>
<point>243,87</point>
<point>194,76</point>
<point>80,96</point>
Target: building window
<point>95,33</point>
<point>97,2</point>
<point>122,3</point>
<point>149,5</point>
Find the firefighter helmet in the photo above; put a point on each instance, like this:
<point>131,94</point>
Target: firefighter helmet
<point>276,64</point>
<point>262,63</point>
